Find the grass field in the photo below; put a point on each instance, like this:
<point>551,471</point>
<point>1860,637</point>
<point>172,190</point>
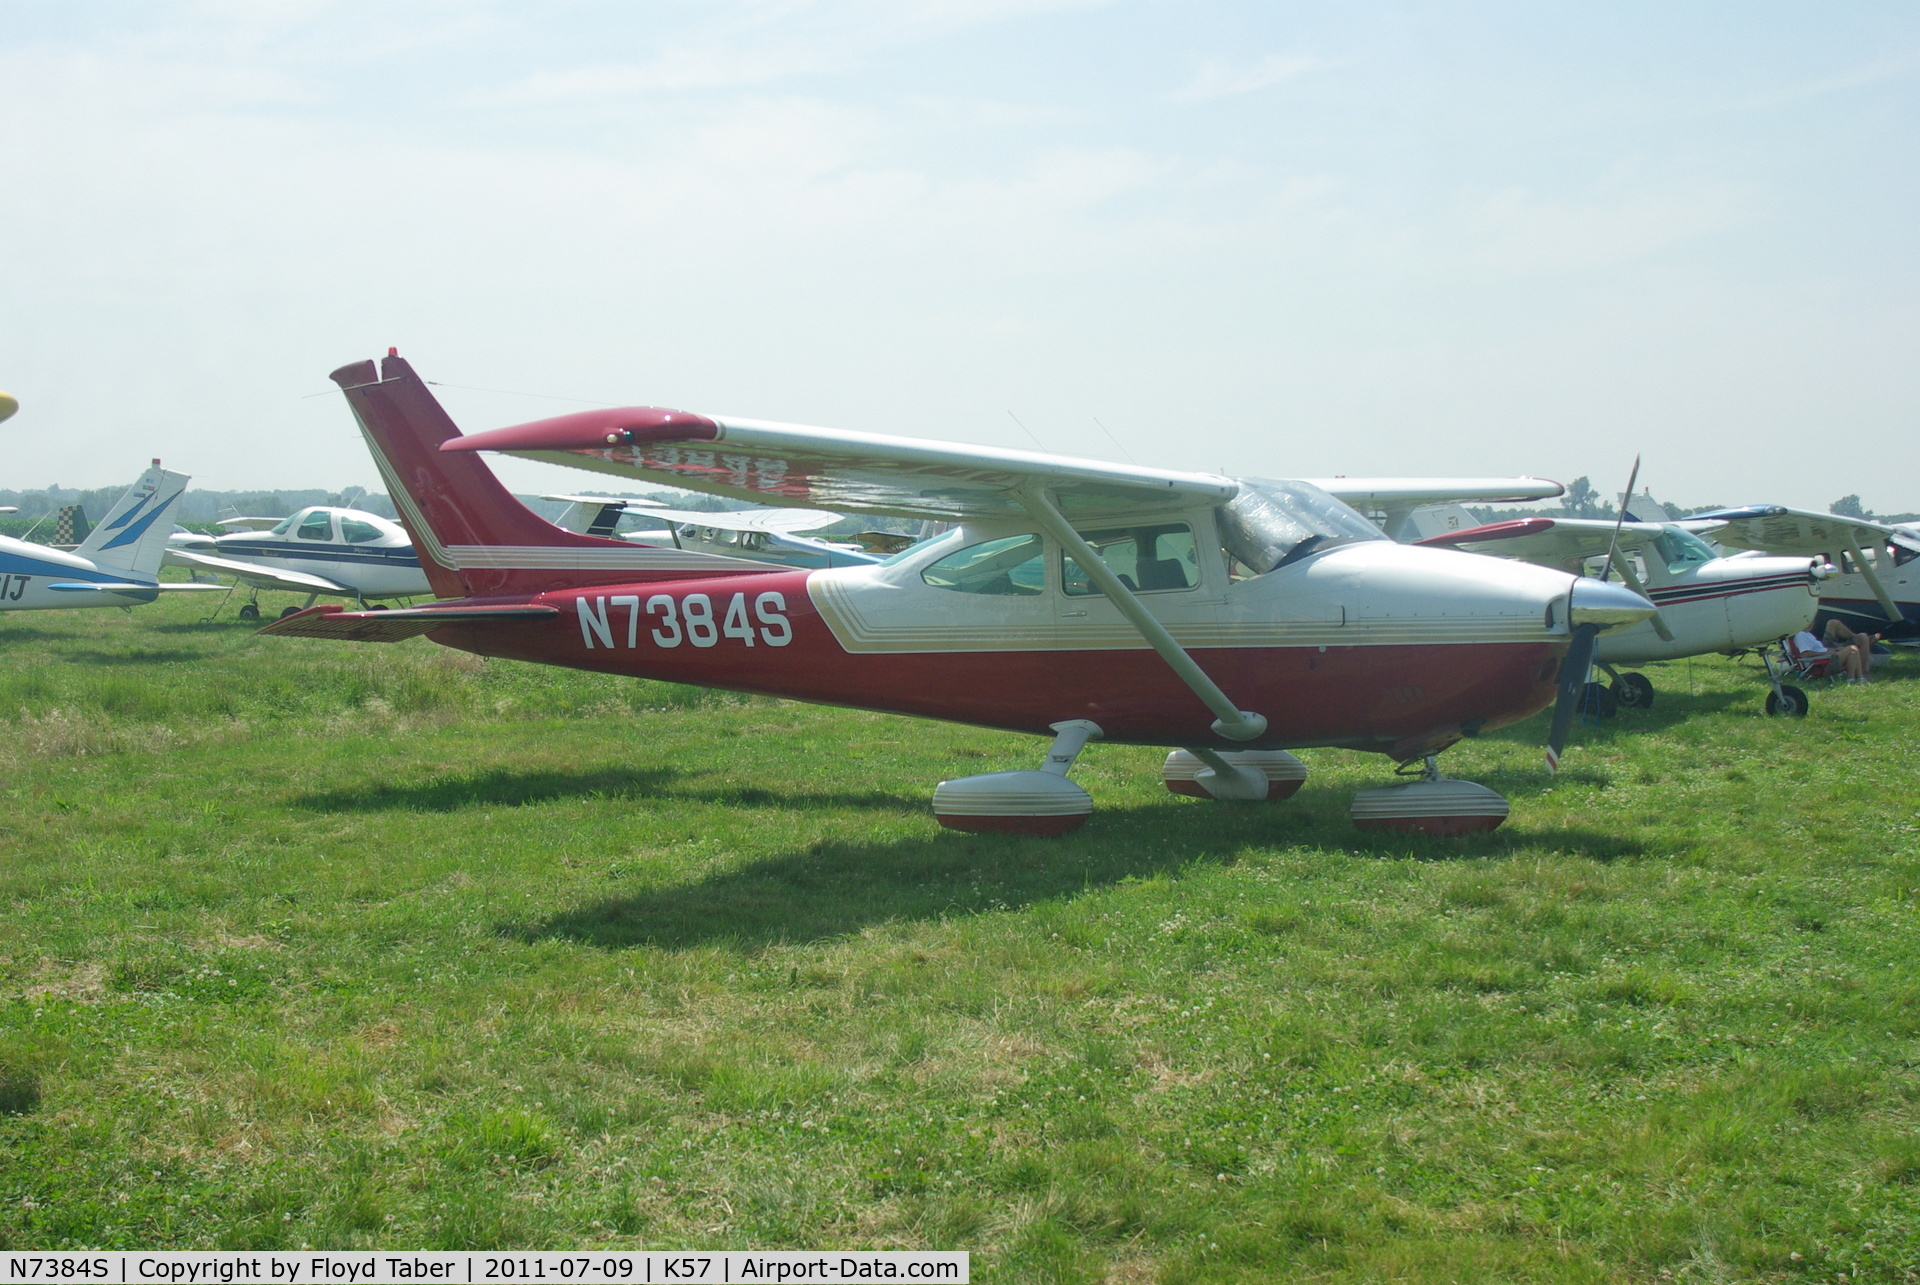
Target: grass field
<point>310,944</point>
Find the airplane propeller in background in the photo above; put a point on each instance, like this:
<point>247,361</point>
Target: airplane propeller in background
<point>1578,665</point>
<point>1613,550</point>
<point>8,405</point>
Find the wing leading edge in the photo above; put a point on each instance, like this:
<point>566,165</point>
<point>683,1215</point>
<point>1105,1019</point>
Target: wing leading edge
<point>796,466</point>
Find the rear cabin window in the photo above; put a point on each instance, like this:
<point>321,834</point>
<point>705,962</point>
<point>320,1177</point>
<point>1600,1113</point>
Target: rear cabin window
<point>1011,565</point>
<point>318,526</point>
<point>358,532</point>
<point>1147,559</point>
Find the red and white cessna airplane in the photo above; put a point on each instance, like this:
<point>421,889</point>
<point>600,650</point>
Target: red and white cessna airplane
<point>1232,618</point>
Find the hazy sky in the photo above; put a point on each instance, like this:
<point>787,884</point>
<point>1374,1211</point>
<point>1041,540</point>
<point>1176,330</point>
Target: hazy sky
<point>1265,238</point>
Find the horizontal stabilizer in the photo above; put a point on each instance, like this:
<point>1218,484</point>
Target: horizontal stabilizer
<point>108,586</point>
<point>392,626</point>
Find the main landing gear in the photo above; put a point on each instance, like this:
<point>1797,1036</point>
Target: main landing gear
<point>1043,802</point>
<point>1632,691</point>
<point>1629,691</point>
<point>1432,804</point>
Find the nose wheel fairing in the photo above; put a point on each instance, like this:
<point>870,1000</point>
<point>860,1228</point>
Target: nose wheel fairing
<point>1431,805</point>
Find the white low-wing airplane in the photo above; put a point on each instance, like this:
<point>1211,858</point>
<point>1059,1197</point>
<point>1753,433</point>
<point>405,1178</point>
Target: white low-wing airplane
<point>1707,603</point>
<point>1877,589</point>
<point>319,550</point>
<point>1233,618</point>
<point>117,565</point>
<point>758,535</point>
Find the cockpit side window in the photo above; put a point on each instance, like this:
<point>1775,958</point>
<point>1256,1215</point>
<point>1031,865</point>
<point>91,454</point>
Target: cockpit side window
<point>318,526</point>
<point>358,532</point>
<point>1147,559</point>
<point>1013,564</point>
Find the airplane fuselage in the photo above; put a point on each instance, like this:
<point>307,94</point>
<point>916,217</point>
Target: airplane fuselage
<point>29,571</point>
<point>1724,605</point>
<point>1850,599</point>
<point>363,554</point>
<point>377,571</point>
<point>1369,646</point>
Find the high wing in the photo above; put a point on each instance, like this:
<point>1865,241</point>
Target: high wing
<point>771,521</point>
<point>769,463</point>
<point>252,573</point>
<point>1391,500</point>
<point>1774,528</point>
<point>774,521</point>
<point>1561,543</point>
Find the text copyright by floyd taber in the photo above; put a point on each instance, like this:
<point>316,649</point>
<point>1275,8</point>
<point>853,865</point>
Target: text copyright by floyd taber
<point>483,1267</point>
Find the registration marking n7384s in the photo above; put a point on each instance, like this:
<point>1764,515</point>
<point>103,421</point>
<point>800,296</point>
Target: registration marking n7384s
<point>684,618</point>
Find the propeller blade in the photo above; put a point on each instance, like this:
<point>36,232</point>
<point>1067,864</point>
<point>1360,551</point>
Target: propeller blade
<point>1606,568</point>
<point>1573,682</point>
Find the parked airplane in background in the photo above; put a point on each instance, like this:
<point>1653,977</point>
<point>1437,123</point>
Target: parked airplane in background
<point>1398,503</point>
<point>117,565</point>
<point>319,550</point>
<point>1707,603</point>
<point>758,535</point>
<point>1878,586</point>
<point>1088,599</point>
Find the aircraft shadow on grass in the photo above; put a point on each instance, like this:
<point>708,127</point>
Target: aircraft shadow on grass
<point>835,888</point>
<point>174,656</point>
<point>504,787</point>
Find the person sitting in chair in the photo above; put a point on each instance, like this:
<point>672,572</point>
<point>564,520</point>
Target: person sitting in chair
<point>1853,648</point>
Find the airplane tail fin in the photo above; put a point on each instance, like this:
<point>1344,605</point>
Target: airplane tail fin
<point>474,538</point>
<point>133,536</point>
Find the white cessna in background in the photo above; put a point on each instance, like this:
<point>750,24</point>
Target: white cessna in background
<point>322,549</point>
<point>117,565</point>
<point>1877,588</point>
<point>1707,603</point>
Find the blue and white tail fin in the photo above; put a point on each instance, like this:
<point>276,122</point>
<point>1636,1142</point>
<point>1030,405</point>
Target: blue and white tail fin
<point>132,538</point>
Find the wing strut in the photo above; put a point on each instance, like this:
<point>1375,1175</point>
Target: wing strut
<point>1233,722</point>
<point>1872,578</point>
<point>1625,568</point>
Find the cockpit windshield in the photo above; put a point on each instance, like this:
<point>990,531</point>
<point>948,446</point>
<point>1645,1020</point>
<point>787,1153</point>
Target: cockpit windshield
<point>1680,548</point>
<point>285,525</point>
<point>1269,524</point>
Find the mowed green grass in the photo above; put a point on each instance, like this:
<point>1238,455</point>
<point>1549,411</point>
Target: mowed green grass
<point>315,944</point>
